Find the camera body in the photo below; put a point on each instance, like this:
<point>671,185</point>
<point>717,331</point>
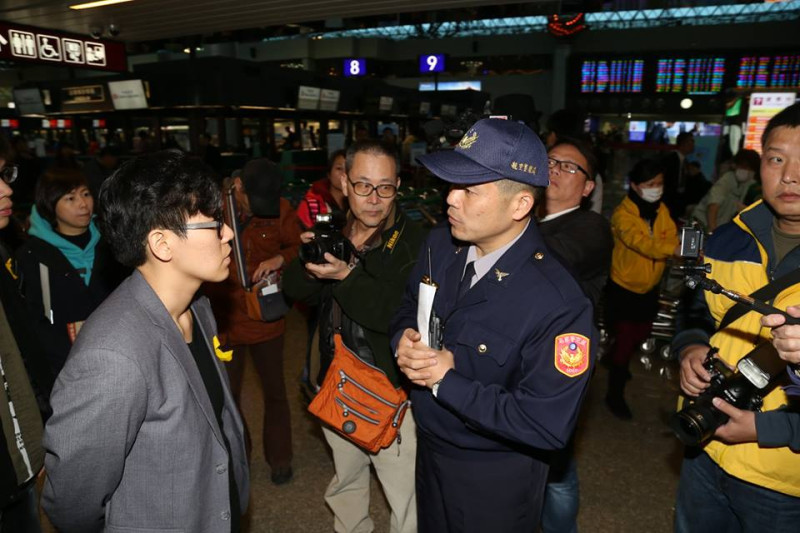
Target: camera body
<point>697,422</point>
<point>328,238</point>
<point>691,242</point>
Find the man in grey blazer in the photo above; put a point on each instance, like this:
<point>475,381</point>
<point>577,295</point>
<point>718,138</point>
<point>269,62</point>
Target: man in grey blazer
<point>145,435</point>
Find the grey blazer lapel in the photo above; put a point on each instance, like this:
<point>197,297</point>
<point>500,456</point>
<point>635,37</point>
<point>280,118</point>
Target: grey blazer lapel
<point>177,346</point>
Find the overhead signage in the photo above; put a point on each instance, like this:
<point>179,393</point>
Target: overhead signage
<point>385,103</point>
<point>613,76</point>
<point>431,63</point>
<point>763,106</point>
<point>765,71</point>
<point>26,43</point>
<point>355,67</point>
<point>83,94</point>
<point>696,75</point>
<point>329,100</point>
<point>128,94</point>
<point>308,97</point>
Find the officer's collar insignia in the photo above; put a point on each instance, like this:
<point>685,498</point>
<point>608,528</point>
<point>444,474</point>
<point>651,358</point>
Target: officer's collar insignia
<point>500,275</point>
<point>458,250</point>
<point>571,356</point>
<point>468,140</point>
<point>222,355</point>
<point>10,268</point>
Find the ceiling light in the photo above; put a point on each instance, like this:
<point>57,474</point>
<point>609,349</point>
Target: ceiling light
<point>98,3</point>
<point>686,103</point>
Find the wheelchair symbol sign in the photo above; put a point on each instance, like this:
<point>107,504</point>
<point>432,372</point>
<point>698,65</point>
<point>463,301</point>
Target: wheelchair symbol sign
<point>49,47</point>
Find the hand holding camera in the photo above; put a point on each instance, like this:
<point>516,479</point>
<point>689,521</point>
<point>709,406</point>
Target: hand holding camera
<point>325,251</point>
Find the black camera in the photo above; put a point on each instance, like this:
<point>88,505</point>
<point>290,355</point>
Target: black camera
<point>328,238</point>
<point>691,242</point>
<point>697,422</point>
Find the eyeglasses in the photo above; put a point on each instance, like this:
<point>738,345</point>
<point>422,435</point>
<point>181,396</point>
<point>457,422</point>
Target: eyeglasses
<point>214,224</point>
<point>9,173</point>
<point>567,166</point>
<point>362,188</point>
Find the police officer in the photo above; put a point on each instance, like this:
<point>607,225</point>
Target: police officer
<point>516,344</point>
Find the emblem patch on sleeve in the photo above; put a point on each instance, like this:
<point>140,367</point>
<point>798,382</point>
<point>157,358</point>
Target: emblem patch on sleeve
<point>572,354</point>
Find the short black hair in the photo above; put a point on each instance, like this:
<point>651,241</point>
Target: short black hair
<point>52,186</point>
<point>6,152</point>
<point>334,156</point>
<point>645,170</point>
<point>154,191</point>
<point>789,118</point>
<point>565,123</point>
<point>748,158</point>
<point>683,136</point>
<point>371,147</point>
<point>585,150</point>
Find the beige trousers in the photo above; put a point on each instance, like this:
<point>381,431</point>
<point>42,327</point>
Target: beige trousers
<point>348,492</point>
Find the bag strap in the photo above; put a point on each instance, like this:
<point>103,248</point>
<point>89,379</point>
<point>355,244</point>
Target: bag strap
<point>764,294</point>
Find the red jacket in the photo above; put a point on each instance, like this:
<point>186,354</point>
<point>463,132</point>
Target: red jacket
<point>261,239</point>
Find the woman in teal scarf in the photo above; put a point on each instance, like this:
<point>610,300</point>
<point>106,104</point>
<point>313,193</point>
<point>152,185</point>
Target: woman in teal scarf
<point>65,269</point>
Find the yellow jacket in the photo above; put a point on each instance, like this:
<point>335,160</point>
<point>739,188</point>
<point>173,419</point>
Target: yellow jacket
<point>740,262</point>
<point>640,254</point>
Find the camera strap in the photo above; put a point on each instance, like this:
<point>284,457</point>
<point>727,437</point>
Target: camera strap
<point>764,294</point>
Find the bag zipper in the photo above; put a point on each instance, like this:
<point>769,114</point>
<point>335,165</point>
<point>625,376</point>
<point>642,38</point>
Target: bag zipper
<point>355,401</point>
<point>346,410</point>
<point>345,378</point>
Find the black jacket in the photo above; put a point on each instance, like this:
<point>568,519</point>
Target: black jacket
<point>70,298</point>
<point>583,242</point>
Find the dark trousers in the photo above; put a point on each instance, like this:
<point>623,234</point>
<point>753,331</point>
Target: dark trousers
<point>268,359</point>
<point>475,492</point>
<point>709,499</point>
<point>22,516</point>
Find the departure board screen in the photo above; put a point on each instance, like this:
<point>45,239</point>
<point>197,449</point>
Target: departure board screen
<point>765,71</point>
<point>612,76</point>
<point>698,75</point>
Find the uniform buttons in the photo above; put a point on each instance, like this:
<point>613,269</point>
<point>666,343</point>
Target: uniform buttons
<point>538,256</point>
<point>482,348</point>
<point>225,515</point>
<point>221,469</point>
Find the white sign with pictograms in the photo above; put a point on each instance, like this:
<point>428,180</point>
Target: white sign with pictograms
<point>73,51</point>
<point>23,44</point>
<point>49,47</point>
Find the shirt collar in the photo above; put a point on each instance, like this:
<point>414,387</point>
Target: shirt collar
<point>556,215</point>
<point>484,264</point>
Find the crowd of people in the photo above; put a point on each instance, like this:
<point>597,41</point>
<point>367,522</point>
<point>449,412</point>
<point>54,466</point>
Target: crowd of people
<point>135,292</point>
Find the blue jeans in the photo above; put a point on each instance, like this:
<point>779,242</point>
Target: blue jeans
<point>561,498</point>
<point>709,499</point>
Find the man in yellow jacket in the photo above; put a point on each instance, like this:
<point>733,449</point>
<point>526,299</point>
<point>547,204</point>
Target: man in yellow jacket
<point>748,477</point>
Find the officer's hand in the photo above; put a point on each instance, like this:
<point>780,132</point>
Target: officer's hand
<point>694,378</point>
<point>741,427</point>
<point>306,237</point>
<point>265,267</point>
<point>335,268</point>
<point>415,358</point>
<point>785,338</point>
<point>445,361</point>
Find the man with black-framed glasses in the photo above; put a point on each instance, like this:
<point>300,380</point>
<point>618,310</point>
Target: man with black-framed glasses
<point>145,433</point>
<point>365,287</point>
<point>582,240</point>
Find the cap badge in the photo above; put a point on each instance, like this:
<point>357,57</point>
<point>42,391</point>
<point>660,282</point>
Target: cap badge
<point>468,140</point>
<point>572,354</point>
<point>500,275</point>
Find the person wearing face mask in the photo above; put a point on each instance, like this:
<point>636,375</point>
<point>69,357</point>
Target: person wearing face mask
<point>726,198</point>
<point>644,238</point>
<point>66,269</point>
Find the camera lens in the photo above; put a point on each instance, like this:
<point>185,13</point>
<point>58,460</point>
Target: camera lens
<point>311,252</point>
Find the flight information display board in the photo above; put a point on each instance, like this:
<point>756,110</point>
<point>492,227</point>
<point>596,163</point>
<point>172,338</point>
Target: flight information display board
<point>768,72</point>
<point>612,76</point>
<point>697,75</point>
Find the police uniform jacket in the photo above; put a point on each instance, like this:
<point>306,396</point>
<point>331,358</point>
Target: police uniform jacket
<point>523,342</point>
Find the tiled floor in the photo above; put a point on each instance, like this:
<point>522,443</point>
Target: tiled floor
<point>628,470</point>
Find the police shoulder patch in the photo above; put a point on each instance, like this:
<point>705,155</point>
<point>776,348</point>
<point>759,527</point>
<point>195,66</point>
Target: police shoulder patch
<point>571,354</point>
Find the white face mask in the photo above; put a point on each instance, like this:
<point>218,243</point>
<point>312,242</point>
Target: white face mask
<point>742,174</point>
<point>652,194</point>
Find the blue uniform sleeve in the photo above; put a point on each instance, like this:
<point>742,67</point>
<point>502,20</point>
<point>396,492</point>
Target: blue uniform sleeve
<point>779,428</point>
<point>541,409</point>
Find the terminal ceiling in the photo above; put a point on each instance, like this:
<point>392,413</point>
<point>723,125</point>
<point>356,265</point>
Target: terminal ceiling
<point>147,20</point>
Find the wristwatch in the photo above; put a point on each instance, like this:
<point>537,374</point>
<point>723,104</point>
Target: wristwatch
<point>435,388</point>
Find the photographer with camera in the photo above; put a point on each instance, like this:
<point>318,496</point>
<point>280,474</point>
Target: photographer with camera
<point>356,276</point>
<point>748,477</point>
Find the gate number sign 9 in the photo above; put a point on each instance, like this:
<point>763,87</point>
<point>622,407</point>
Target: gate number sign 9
<point>431,63</point>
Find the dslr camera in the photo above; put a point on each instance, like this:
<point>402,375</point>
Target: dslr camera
<point>328,238</point>
<point>696,423</point>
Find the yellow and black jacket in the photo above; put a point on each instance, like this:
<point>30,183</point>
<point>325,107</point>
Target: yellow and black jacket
<point>640,252</point>
<point>742,259</point>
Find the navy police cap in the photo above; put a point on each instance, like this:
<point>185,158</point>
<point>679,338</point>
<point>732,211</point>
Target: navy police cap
<point>493,149</point>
